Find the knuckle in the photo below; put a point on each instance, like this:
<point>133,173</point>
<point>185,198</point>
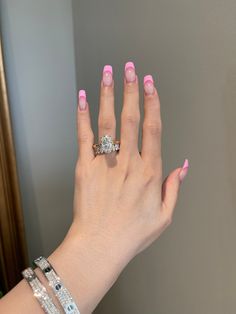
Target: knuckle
<point>107,94</point>
<point>153,100</point>
<point>107,123</point>
<point>153,128</point>
<point>131,89</point>
<point>131,119</point>
<point>85,136</point>
<point>149,175</point>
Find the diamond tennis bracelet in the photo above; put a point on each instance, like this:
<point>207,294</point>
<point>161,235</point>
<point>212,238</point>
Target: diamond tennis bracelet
<point>56,284</point>
<point>40,291</point>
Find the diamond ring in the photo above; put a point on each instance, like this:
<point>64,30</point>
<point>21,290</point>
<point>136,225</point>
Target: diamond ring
<point>106,145</point>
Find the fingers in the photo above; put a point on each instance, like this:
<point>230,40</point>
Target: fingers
<point>84,130</point>
<point>130,115</point>
<point>106,117</point>
<point>151,133</point>
<point>170,188</point>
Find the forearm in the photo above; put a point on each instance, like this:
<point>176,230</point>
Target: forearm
<point>87,267</point>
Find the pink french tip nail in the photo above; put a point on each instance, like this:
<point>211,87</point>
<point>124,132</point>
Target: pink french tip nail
<point>107,68</point>
<point>130,74</point>
<point>186,164</point>
<point>107,75</point>
<point>82,99</point>
<point>148,84</point>
<point>184,170</point>
<point>129,64</point>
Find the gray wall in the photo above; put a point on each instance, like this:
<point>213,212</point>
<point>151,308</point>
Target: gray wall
<point>39,59</point>
<point>189,47</point>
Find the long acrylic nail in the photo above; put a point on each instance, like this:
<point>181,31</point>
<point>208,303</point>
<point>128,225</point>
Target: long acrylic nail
<point>130,74</point>
<point>107,75</point>
<point>148,84</point>
<point>184,170</point>
<point>82,99</point>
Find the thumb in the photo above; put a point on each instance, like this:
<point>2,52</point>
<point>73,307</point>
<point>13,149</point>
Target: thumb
<point>170,187</point>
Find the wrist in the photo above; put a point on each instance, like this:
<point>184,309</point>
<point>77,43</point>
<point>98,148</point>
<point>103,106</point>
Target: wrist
<point>88,265</point>
<point>106,245</point>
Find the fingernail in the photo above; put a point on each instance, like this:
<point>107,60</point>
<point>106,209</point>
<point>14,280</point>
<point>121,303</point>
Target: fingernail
<point>148,84</point>
<point>130,74</point>
<point>184,170</point>
<point>107,75</point>
<point>82,99</point>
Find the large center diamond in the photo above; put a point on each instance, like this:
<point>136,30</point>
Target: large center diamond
<point>106,144</point>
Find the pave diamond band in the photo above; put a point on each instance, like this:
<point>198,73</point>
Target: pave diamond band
<point>106,145</point>
<point>56,284</point>
<point>40,291</point>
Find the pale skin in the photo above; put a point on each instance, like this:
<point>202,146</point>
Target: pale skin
<point>121,203</point>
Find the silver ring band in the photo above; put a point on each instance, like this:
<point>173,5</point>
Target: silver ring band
<point>60,291</point>
<point>40,291</point>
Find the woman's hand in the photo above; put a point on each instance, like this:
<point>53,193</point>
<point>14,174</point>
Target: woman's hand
<point>119,197</point>
<point>120,202</point>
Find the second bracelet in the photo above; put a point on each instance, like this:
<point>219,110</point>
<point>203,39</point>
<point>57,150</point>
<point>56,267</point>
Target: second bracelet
<point>60,291</point>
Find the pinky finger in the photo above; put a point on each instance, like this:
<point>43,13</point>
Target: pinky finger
<point>170,188</point>
<point>84,129</point>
